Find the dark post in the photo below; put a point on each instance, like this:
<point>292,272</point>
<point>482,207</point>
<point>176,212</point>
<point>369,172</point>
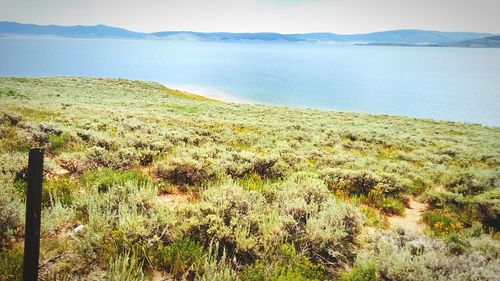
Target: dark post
<point>33,213</point>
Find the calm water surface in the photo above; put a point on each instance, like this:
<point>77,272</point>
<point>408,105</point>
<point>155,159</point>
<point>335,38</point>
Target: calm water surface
<point>455,84</point>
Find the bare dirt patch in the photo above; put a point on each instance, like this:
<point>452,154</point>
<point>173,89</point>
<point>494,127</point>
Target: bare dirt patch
<point>411,221</point>
<point>171,200</point>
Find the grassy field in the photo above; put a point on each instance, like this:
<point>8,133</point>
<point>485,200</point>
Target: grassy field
<point>144,182</point>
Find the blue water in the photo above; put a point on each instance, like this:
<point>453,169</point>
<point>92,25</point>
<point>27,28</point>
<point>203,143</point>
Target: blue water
<point>457,84</point>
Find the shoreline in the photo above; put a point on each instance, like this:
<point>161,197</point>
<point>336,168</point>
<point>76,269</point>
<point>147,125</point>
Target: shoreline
<point>219,96</point>
<point>209,93</point>
<point>225,98</point>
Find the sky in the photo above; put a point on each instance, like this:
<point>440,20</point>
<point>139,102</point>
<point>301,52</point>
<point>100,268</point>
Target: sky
<point>284,16</point>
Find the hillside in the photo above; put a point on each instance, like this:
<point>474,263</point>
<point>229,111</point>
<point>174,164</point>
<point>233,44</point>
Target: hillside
<point>487,42</point>
<point>407,36</point>
<point>78,31</point>
<point>151,183</point>
<point>392,37</point>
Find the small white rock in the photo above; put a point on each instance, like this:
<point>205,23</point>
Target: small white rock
<point>78,229</point>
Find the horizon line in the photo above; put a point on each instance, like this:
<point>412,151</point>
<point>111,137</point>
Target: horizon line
<point>243,32</point>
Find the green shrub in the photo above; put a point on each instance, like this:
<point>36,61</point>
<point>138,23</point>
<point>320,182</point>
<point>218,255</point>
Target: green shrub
<point>125,267</point>
<point>288,265</point>
<point>185,170</point>
<point>418,258</point>
<point>99,157</point>
<point>90,245</point>
<point>126,158</point>
<point>11,264</point>
<point>297,267</point>
<point>212,267</point>
<point>363,182</point>
<point>439,200</point>
<point>258,271</point>
<point>372,217</point>
<point>471,181</point>
<point>83,134</point>
<point>20,187</point>
<point>57,143</point>
<point>61,189</point>
<point>239,164</point>
<point>11,214</point>
<point>457,243</point>
<point>39,138</point>
<point>468,210</point>
<point>487,246</point>
<point>330,234</point>
<point>10,118</point>
<point>269,166</point>
<point>102,141</point>
<point>418,186</point>
<point>15,165</point>
<point>327,228</point>
<point>74,162</point>
<point>251,224</point>
<point>362,271</point>
<point>13,140</point>
<point>440,223</point>
<point>120,211</point>
<point>104,178</point>
<point>225,214</point>
<point>487,207</point>
<point>146,156</point>
<point>50,128</point>
<point>391,205</point>
<point>246,163</point>
<point>181,257</point>
<point>56,216</point>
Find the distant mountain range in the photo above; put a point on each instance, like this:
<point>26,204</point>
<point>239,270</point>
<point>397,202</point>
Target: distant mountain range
<point>390,38</point>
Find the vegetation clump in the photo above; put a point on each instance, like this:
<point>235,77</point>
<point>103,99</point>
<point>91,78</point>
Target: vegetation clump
<point>396,257</point>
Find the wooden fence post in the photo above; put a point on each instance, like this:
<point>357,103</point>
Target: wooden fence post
<point>33,213</point>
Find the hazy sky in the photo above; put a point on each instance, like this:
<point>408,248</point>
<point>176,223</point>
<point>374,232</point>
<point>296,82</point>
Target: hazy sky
<point>285,16</point>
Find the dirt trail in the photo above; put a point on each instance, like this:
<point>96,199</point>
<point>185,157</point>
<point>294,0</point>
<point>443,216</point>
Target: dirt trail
<point>172,201</point>
<point>410,222</point>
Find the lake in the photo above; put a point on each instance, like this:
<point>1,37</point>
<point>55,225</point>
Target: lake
<point>457,84</point>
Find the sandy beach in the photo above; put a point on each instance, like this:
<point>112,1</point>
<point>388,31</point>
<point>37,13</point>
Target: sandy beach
<point>209,93</point>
